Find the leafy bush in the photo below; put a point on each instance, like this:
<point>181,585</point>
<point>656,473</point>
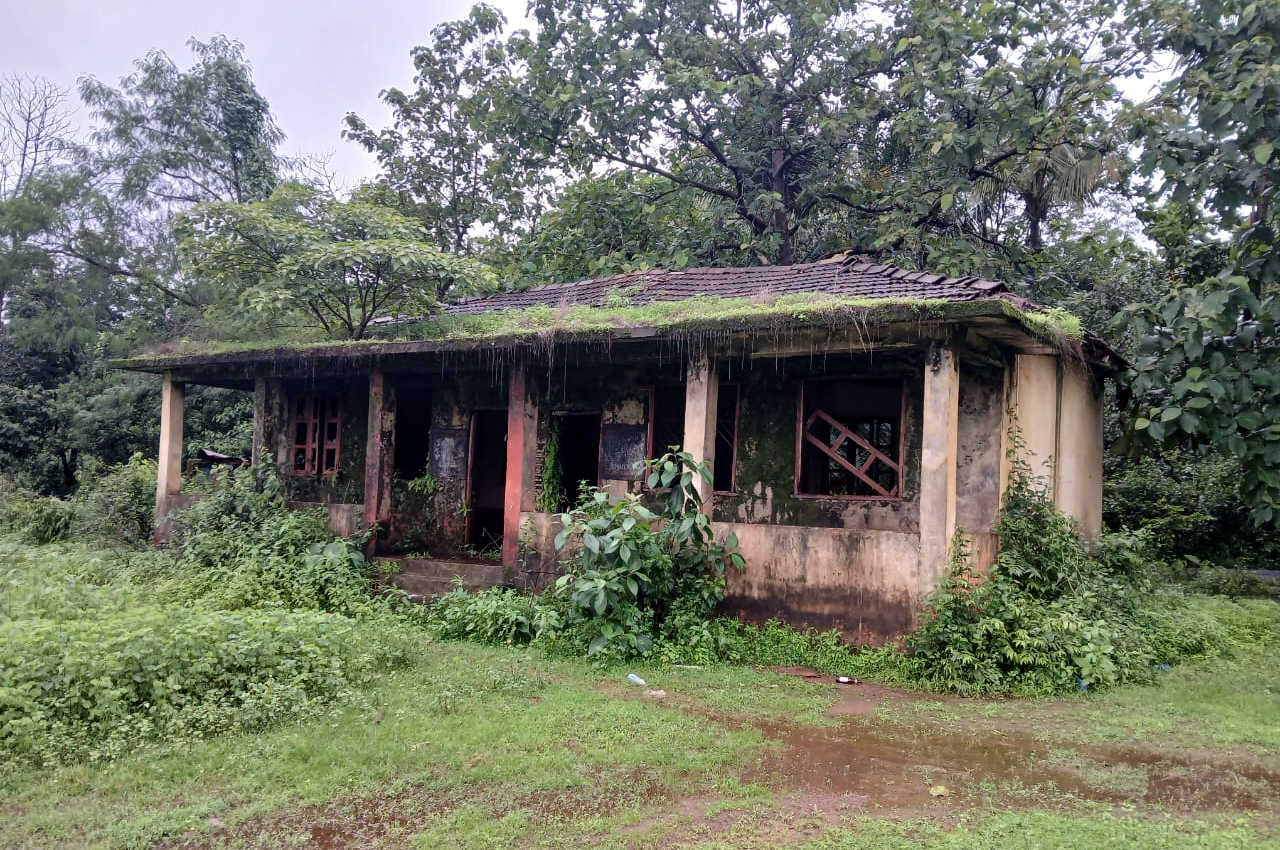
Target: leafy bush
<point>49,519</point>
<point>1190,507</point>
<point>241,547</point>
<point>637,576</point>
<point>778,644</point>
<point>1050,617</point>
<point>495,616</point>
<point>95,685</point>
<point>1218,581</point>
<point>118,506</point>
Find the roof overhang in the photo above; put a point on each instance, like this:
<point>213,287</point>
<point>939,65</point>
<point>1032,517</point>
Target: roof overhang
<point>820,326</point>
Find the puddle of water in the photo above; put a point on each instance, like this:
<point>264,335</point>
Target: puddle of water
<point>1179,780</point>
<point>895,766</point>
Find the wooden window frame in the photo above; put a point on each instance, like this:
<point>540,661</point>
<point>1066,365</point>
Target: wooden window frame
<point>894,495</point>
<point>317,444</point>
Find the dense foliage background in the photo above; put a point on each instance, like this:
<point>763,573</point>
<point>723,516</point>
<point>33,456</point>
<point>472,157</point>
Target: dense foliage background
<point>1112,158</point>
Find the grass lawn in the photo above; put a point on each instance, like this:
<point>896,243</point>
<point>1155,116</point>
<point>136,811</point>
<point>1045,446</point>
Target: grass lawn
<point>472,746</point>
<point>482,747</point>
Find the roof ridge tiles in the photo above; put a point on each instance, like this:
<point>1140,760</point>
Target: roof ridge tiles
<point>852,276</point>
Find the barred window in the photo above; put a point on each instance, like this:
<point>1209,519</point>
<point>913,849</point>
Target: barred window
<point>849,440</point>
<point>317,427</point>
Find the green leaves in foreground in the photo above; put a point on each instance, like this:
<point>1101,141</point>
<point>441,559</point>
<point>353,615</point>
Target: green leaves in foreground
<point>1208,372</point>
<point>638,576</point>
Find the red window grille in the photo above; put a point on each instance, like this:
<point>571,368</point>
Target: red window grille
<point>317,426</point>
<point>849,441</point>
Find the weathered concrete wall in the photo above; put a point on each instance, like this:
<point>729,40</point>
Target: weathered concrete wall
<point>938,452</point>
<point>980,456</point>
<point>454,400</point>
<point>867,584</point>
<point>538,561</point>
<point>1078,489</point>
<point>765,481</point>
<point>273,430</point>
<point>855,564</point>
<point>344,519</point>
<point>1035,414</point>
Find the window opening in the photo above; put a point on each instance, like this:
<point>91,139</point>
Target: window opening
<point>667,415</point>
<point>317,429</point>
<point>851,439</point>
<point>726,438</point>
<point>668,429</point>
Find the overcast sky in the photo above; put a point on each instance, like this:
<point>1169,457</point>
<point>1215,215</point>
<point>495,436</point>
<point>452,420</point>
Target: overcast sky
<point>314,60</point>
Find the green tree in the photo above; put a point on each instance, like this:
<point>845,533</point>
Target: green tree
<point>341,264</point>
<point>1208,366</point>
<point>436,156</point>
<point>174,136</point>
<point>166,139</point>
<point>948,133</point>
<point>624,221</point>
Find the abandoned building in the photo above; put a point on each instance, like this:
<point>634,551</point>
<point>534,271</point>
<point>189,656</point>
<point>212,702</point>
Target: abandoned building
<point>854,416</point>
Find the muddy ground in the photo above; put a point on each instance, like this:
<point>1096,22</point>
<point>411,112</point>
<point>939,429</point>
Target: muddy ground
<point>879,756</point>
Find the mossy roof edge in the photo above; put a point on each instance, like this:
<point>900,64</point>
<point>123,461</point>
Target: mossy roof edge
<point>705,316</point>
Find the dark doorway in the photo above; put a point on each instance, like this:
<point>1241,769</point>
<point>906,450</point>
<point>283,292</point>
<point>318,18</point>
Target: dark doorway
<point>668,418</point>
<point>726,438</point>
<point>579,453</point>
<point>488,481</point>
<point>413,430</point>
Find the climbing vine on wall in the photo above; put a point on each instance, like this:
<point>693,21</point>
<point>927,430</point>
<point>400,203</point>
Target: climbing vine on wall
<point>551,493</point>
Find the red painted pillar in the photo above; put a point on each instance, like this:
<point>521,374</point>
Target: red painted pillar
<point>516,402</point>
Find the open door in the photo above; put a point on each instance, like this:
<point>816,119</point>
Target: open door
<point>487,481</point>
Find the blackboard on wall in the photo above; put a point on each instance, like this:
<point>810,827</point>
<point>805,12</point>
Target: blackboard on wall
<point>621,448</point>
<point>449,453</point>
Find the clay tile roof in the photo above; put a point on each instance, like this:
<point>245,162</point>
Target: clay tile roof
<point>837,276</point>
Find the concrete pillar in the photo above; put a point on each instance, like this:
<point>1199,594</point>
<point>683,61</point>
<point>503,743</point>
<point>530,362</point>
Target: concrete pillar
<point>522,439</point>
<point>272,425</point>
<point>938,458</point>
<point>1034,401</point>
<point>1078,485</point>
<point>260,420</point>
<point>378,464</point>
<point>169,467</point>
<point>702,392</point>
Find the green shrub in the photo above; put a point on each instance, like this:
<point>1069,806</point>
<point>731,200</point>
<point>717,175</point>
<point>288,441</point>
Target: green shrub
<point>498,615</point>
<point>48,520</point>
<point>1189,504</point>
<point>777,644</point>
<point>1049,617</point>
<point>15,499</point>
<point>636,576</point>
<point>1220,581</point>
<point>118,506</point>
<point>240,547</point>
<point>97,684</point>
